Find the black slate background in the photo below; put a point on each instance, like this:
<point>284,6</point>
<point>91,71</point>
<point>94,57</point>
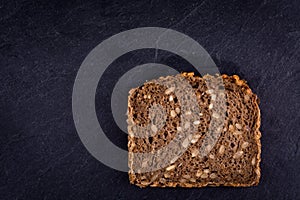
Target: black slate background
<point>42,44</point>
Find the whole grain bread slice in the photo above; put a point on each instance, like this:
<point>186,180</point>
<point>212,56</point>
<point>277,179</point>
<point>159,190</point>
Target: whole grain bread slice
<point>232,161</point>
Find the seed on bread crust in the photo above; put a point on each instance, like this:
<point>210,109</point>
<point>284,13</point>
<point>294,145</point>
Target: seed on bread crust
<point>169,90</point>
<point>170,167</point>
<point>238,154</point>
<point>173,114</point>
<point>221,149</point>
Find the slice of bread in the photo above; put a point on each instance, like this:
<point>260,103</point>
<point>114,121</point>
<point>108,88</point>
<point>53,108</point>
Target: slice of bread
<point>232,160</point>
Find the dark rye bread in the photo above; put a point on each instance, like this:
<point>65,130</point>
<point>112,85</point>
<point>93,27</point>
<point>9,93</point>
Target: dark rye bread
<point>234,159</point>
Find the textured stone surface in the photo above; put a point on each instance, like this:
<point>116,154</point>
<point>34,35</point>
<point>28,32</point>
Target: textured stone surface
<point>43,44</point>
